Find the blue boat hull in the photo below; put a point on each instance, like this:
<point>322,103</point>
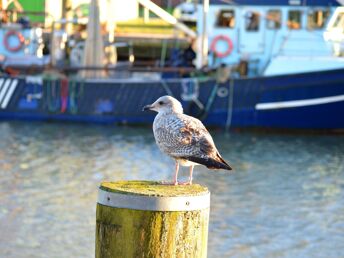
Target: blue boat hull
<point>299,101</point>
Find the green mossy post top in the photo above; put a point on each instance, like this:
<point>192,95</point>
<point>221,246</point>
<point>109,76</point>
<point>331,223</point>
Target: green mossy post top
<point>153,188</point>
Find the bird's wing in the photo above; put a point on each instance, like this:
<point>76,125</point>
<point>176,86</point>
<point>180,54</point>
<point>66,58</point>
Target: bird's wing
<point>181,136</point>
<point>185,137</point>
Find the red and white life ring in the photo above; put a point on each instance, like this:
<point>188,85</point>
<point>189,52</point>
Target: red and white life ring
<point>229,46</point>
<point>19,37</point>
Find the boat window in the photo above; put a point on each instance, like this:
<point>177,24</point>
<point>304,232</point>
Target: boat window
<point>273,19</point>
<point>339,22</point>
<point>226,18</point>
<point>252,21</point>
<point>316,19</point>
<point>294,20</point>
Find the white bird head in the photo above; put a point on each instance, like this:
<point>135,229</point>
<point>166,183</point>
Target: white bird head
<point>165,104</point>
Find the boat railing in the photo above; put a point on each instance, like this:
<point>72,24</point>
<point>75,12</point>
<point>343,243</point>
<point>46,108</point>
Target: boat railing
<point>69,70</point>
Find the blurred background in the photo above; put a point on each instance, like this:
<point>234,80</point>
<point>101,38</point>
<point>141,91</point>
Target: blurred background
<point>266,78</point>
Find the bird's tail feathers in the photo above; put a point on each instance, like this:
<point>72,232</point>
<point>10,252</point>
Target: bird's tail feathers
<point>228,167</point>
<point>211,163</point>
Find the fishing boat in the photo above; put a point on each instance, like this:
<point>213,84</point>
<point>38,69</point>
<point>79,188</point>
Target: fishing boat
<point>258,64</point>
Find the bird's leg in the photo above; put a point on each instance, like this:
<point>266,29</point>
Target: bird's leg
<point>176,174</point>
<point>190,177</point>
<point>175,179</point>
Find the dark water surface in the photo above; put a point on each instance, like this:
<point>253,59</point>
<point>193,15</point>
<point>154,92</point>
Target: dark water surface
<point>285,199</point>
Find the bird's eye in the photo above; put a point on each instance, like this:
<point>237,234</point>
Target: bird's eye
<point>161,103</point>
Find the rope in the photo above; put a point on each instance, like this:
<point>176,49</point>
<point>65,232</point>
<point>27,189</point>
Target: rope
<point>210,101</point>
<point>191,92</point>
<point>73,108</point>
<point>163,53</point>
<point>47,83</point>
<point>230,105</point>
<point>52,101</point>
<point>167,89</point>
<point>75,93</point>
<point>64,94</point>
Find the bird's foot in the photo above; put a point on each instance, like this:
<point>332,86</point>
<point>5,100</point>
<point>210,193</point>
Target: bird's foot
<point>185,183</point>
<point>169,183</point>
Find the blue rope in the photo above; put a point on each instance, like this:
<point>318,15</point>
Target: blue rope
<point>53,96</point>
<point>230,105</point>
<point>74,94</point>
<point>167,89</point>
<point>210,101</point>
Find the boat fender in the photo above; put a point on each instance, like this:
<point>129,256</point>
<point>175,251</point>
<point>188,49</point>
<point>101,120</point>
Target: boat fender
<point>229,46</point>
<point>20,39</point>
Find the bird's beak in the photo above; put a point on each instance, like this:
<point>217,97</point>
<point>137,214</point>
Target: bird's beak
<point>147,107</point>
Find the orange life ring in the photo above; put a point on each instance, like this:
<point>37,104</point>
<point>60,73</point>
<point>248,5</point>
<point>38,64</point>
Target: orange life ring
<point>229,46</point>
<point>20,38</point>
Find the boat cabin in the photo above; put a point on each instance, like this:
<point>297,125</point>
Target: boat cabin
<point>260,37</point>
<point>335,31</point>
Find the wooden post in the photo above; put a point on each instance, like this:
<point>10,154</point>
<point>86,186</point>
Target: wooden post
<point>147,219</point>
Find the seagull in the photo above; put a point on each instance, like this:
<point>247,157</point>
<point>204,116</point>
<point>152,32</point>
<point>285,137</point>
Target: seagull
<point>184,138</point>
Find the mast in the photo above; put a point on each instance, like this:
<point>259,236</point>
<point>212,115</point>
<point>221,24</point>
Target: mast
<point>204,37</point>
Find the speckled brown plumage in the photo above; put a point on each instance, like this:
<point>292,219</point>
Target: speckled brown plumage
<point>183,137</point>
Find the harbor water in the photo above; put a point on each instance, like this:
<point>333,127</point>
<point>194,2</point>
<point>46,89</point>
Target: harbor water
<point>284,199</point>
